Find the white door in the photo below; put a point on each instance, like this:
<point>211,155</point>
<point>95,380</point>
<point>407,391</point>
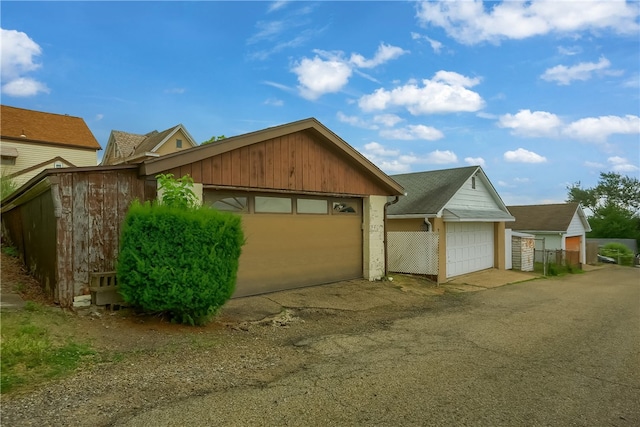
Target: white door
<point>469,247</point>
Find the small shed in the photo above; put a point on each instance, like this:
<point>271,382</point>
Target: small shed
<point>523,247</point>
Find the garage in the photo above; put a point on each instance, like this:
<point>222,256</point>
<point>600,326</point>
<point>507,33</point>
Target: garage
<point>294,241</point>
<point>469,247</point>
<point>312,206</point>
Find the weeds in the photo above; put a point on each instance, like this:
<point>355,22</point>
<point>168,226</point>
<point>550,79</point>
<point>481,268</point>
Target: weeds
<point>31,354</point>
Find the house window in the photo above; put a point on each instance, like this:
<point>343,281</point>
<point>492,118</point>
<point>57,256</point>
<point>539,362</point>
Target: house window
<point>178,143</point>
<point>473,182</point>
<point>8,161</point>
<point>272,204</point>
<point>57,165</point>
<point>345,207</point>
<point>311,206</point>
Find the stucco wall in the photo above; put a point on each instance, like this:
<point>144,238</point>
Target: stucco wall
<point>373,237</point>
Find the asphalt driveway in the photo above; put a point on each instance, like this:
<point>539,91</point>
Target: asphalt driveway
<point>545,352</point>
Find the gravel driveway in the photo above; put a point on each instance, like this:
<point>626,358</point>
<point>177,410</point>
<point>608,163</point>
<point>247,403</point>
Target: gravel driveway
<point>545,352</point>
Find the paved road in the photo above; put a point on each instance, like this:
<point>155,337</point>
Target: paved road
<point>549,352</point>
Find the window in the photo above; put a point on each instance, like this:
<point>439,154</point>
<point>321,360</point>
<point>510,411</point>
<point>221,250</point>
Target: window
<point>311,206</point>
<point>272,204</point>
<point>473,182</point>
<point>345,207</point>
<point>57,165</point>
<point>178,143</point>
<point>8,161</point>
<point>231,204</point>
<point>226,202</point>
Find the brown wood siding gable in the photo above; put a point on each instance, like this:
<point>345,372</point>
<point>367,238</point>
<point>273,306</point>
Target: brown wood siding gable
<point>295,162</point>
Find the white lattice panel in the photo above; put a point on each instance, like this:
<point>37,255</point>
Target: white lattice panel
<point>413,252</point>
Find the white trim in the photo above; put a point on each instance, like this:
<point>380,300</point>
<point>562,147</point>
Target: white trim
<point>175,130</point>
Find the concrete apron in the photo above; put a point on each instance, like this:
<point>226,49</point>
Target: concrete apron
<point>358,295</point>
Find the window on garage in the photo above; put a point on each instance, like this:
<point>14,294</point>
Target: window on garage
<point>227,202</point>
<point>265,204</point>
<point>311,206</point>
<point>345,206</point>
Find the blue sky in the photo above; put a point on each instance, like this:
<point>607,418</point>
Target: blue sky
<point>541,94</point>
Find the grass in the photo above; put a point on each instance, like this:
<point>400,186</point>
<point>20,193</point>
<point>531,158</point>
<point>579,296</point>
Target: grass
<point>556,269</point>
<point>31,350</point>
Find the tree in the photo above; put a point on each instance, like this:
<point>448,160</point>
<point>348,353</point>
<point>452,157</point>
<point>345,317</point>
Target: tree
<point>612,189</point>
<point>614,204</point>
<point>214,139</point>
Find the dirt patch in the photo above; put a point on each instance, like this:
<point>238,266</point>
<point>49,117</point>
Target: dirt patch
<point>15,279</point>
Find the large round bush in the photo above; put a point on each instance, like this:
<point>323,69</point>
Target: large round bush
<point>180,261</point>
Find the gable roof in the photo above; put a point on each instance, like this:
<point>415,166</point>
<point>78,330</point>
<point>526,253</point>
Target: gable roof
<point>185,157</point>
<point>546,218</point>
<point>428,194</point>
<point>40,127</point>
<point>124,146</point>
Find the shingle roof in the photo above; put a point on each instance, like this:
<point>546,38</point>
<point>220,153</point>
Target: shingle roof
<point>428,192</point>
<point>132,144</point>
<point>553,217</point>
<point>126,143</point>
<point>38,126</point>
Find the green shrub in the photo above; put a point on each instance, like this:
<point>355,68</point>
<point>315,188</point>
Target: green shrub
<point>621,253</point>
<point>183,262</point>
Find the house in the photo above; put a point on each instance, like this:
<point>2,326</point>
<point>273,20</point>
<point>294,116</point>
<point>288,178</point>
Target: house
<point>459,215</point>
<point>312,210</point>
<point>561,226</point>
<point>124,147</point>
<point>31,141</point>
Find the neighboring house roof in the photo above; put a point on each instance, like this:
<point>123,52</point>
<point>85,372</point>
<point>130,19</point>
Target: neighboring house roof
<point>173,160</point>
<point>429,194</point>
<point>125,147</point>
<point>552,218</point>
<point>40,127</point>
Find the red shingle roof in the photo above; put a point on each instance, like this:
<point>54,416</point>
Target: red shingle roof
<point>38,126</point>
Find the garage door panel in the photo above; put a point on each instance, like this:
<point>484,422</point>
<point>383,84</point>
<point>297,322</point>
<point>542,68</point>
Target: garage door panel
<point>288,251</point>
<point>469,247</point>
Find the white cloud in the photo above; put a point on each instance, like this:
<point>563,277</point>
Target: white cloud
<point>17,58</point>
<point>24,86</point>
<point>446,93</point>
<point>355,121</point>
<point>569,51</point>
<point>379,150</point>
<point>413,132</point>
<point>598,129</point>
<point>99,116</point>
<point>620,164</point>
<point>469,22</point>
<point>388,120</point>
<point>274,102</point>
<point>392,161</point>
<point>317,76</point>
<point>531,124</point>
<point>329,72</point>
<point>277,5</point>
<point>523,156</point>
<point>473,161</point>
<point>435,45</point>
<point>176,90</point>
<point>384,54</point>
<point>583,71</point>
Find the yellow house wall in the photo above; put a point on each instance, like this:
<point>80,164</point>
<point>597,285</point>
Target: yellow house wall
<point>30,154</point>
<point>405,224</point>
<point>170,145</point>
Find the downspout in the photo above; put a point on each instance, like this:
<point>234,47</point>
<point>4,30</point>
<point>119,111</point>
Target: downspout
<point>386,256</point>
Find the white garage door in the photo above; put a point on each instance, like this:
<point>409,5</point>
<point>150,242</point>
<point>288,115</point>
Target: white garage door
<point>469,247</point>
